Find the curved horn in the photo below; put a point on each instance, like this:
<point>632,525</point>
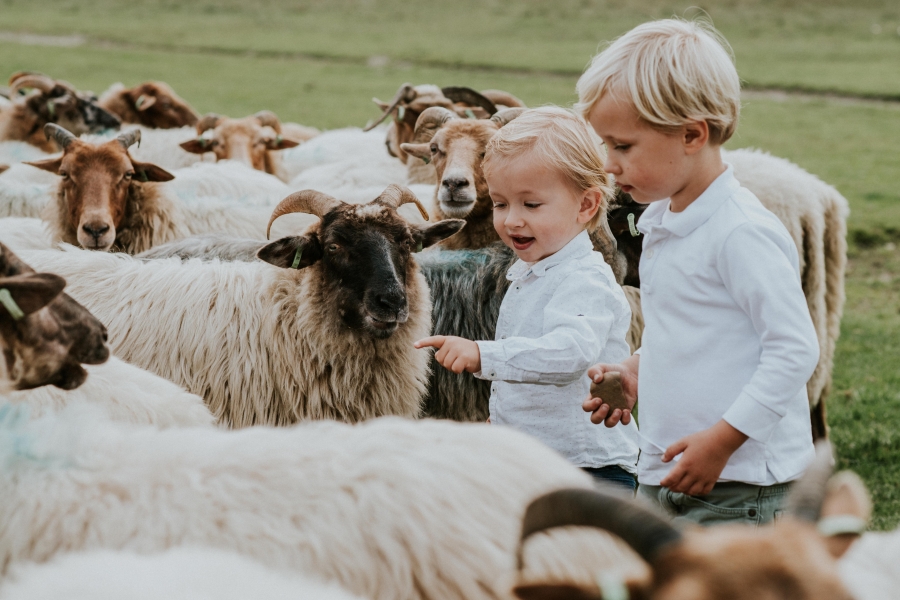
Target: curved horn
<point>58,134</point>
<point>397,195</point>
<point>24,79</point>
<point>267,118</point>
<point>469,96</point>
<point>405,93</point>
<point>506,115</point>
<point>503,98</point>
<point>432,119</point>
<point>305,201</point>
<point>128,138</point>
<point>646,532</point>
<point>805,500</point>
<point>208,121</point>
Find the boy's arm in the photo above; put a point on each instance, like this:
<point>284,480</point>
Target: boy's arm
<point>578,319</point>
<point>758,268</point>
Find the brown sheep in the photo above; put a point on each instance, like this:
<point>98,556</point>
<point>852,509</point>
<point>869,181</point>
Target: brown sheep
<point>50,101</point>
<point>252,140</point>
<point>151,104</point>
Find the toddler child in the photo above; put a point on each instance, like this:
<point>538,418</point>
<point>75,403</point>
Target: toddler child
<point>563,310</point>
<point>728,344</point>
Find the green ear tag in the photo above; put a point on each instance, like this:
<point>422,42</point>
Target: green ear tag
<point>144,176</point>
<point>470,114</point>
<point>6,300</point>
<point>612,588</point>
<point>426,159</point>
<point>51,108</point>
<point>631,227</point>
<point>297,255</point>
<point>419,247</point>
<point>139,102</point>
<point>401,112</point>
<point>278,139</point>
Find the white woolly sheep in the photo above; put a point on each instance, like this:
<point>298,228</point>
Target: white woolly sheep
<point>387,509</point>
<point>178,574</point>
<point>122,393</point>
<point>329,334</point>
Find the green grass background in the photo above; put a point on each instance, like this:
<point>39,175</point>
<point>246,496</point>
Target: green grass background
<point>321,62</point>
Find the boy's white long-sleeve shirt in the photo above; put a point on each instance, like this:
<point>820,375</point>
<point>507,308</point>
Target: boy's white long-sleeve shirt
<point>727,335</point>
<point>559,316</point>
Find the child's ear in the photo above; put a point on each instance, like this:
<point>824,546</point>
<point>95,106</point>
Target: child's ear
<point>295,252</point>
<point>695,136</point>
<point>591,201</point>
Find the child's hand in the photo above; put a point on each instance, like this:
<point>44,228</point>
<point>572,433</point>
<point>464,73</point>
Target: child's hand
<point>454,353</point>
<point>600,412</point>
<point>703,456</point>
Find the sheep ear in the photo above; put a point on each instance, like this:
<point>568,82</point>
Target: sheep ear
<point>422,151</point>
<point>295,252</point>
<point>3,168</point>
<point>196,146</point>
<point>51,164</point>
<point>845,512</point>
<point>281,143</point>
<point>554,592</point>
<point>429,235</point>
<point>150,172</point>
<point>24,294</point>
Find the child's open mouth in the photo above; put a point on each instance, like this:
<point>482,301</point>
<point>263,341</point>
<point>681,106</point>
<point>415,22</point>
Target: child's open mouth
<point>521,243</point>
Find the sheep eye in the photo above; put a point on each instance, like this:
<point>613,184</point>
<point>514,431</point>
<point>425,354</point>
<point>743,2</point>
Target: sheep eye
<point>434,148</point>
<point>333,248</point>
<point>128,175</point>
<point>64,174</point>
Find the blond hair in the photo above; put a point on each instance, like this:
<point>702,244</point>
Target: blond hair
<point>561,140</point>
<point>671,72</point>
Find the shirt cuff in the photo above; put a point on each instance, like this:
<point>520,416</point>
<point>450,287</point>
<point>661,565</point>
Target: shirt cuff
<point>752,418</point>
<point>493,363</point>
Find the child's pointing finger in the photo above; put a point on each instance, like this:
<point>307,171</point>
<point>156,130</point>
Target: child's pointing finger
<point>435,341</point>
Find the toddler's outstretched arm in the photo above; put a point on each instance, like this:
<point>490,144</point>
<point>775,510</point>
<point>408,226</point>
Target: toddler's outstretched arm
<point>600,411</point>
<point>454,353</point>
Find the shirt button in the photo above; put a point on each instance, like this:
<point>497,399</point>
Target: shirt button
<point>502,337</point>
<point>649,254</point>
<point>492,374</point>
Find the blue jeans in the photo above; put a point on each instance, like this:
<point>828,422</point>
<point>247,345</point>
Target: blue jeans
<point>728,502</point>
<point>614,474</point>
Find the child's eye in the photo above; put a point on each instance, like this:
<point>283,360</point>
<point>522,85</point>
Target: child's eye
<point>499,205</point>
<point>622,147</point>
<point>532,204</point>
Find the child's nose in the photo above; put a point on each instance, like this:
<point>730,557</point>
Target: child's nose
<point>514,219</point>
<point>611,166</point>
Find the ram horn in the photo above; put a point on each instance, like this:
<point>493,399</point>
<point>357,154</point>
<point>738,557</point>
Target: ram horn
<point>499,97</point>
<point>208,121</point>
<point>267,118</point>
<point>24,79</point>
<point>506,115</point>
<point>470,97</point>
<point>647,533</point>
<point>58,134</point>
<point>128,138</point>
<point>396,196</point>
<point>406,93</point>
<point>432,119</point>
<point>807,496</point>
<point>305,201</point>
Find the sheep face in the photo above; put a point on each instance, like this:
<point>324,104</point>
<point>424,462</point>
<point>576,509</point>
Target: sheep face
<point>157,105</point>
<point>96,185</point>
<point>44,334</point>
<point>457,150</point>
<point>364,256</point>
<point>248,140</point>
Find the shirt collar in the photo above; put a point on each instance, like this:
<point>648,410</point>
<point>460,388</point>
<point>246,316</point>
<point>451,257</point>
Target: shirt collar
<point>697,213</point>
<point>581,245</point>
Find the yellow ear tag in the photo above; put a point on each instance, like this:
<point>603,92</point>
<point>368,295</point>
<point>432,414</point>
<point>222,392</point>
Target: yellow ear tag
<point>470,114</point>
<point>6,300</point>
<point>297,255</point>
<point>419,247</point>
<point>401,112</point>
<point>426,160</point>
<point>139,102</point>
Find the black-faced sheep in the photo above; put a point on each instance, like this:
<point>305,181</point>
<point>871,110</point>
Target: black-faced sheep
<point>326,334</point>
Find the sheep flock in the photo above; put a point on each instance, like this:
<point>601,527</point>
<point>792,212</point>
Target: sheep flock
<point>210,387</point>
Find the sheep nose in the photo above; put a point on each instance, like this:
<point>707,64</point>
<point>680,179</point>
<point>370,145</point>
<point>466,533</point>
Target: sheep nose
<point>96,231</point>
<point>391,302</point>
<point>455,183</point>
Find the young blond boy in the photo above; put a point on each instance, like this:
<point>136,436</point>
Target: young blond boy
<point>563,310</point>
<point>728,344</point>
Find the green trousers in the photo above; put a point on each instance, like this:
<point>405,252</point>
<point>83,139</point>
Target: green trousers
<point>728,502</point>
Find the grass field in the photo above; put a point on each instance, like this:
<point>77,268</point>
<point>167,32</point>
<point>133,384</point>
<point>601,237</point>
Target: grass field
<point>320,63</point>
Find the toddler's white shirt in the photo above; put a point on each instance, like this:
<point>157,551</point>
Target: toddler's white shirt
<point>727,335</point>
<point>559,316</point>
